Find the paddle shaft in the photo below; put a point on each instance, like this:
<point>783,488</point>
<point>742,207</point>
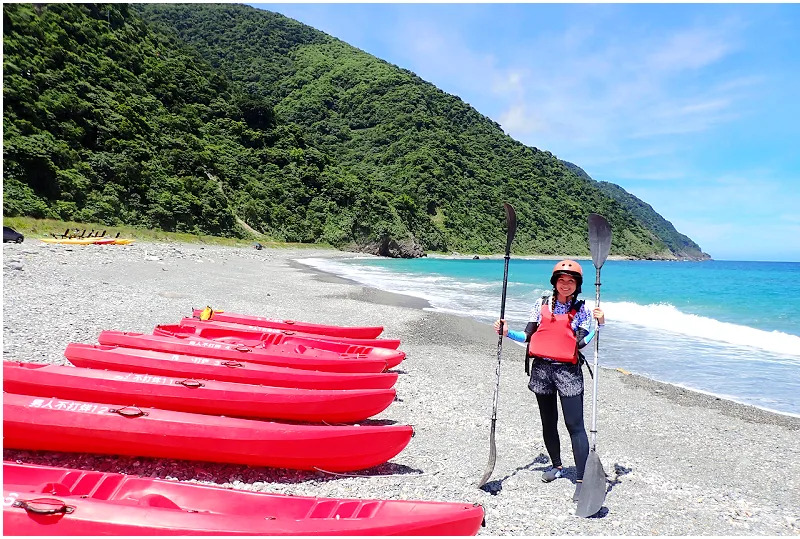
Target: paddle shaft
<point>596,354</point>
<point>600,246</point>
<point>500,344</point>
<point>492,445</point>
<point>511,221</point>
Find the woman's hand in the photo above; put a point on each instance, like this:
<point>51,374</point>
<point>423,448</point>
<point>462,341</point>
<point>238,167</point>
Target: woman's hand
<point>504,325</point>
<point>600,315</point>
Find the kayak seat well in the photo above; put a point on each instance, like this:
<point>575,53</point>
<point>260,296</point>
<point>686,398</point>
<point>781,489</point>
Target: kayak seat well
<point>345,509</point>
<point>273,338</point>
<point>94,485</point>
<point>76,483</point>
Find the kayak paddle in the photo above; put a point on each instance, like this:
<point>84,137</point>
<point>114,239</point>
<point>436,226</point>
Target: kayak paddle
<point>593,492</point>
<point>511,225</point>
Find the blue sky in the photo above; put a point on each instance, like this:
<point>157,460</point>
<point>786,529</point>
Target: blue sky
<point>693,108</point>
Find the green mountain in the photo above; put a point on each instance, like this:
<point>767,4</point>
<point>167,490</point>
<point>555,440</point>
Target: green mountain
<point>221,118</point>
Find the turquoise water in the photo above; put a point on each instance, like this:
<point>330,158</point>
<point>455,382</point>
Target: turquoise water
<point>727,328</point>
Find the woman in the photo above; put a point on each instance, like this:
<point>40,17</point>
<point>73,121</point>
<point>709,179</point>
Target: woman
<point>559,325</point>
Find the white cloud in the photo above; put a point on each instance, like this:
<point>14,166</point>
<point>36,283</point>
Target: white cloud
<point>745,83</point>
<point>691,49</point>
<point>705,106</point>
<point>441,56</point>
<point>519,118</point>
<point>509,83</point>
<point>594,92</point>
<point>583,86</point>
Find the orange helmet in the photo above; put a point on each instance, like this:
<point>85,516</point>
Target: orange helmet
<point>568,267</point>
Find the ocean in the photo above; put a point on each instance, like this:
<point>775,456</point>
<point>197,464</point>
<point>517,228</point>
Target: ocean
<point>731,329</point>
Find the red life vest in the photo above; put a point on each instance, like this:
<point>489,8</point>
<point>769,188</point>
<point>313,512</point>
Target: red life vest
<point>554,338</point>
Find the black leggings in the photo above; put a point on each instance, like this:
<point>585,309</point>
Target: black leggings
<point>573,418</point>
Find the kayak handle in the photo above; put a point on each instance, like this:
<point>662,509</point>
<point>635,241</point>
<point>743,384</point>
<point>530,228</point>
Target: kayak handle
<point>232,364</point>
<point>189,382</point>
<point>287,332</point>
<point>129,411</point>
<point>242,348</point>
<point>45,506</point>
<point>288,321</point>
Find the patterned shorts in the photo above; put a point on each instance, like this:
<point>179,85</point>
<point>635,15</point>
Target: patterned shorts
<point>548,377</point>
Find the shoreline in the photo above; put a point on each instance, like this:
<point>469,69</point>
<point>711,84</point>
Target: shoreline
<point>688,395</point>
<point>370,293</point>
<point>468,256</point>
<point>679,462</point>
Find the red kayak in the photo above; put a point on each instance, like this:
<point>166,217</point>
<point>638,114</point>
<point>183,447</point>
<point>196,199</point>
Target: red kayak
<point>299,357</point>
<point>49,501</point>
<point>277,342</point>
<point>180,365</point>
<point>244,328</point>
<point>364,332</point>
<point>198,396</point>
<point>48,423</point>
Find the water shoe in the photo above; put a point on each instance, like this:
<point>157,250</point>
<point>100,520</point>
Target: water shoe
<point>552,474</point>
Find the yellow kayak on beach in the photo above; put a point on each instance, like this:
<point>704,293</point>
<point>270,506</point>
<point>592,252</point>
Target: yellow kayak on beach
<point>70,241</point>
<point>89,241</point>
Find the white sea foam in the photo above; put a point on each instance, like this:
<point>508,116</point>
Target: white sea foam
<point>666,317</point>
<point>479,300</point>
<point>444,293</point>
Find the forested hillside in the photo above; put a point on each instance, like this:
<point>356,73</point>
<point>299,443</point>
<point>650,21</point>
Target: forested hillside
<point>106,120</point>
<point>191,117</point>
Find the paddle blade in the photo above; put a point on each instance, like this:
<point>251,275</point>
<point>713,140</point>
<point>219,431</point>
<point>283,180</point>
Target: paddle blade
<point>599,239</point>
<point>511,225</point>
<point>593,492</point>
<point>492,458</point>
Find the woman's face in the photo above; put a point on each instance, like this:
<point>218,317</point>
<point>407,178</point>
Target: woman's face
<point>566,285</point>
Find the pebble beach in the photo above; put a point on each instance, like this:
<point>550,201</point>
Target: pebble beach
<point>678,462</point>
